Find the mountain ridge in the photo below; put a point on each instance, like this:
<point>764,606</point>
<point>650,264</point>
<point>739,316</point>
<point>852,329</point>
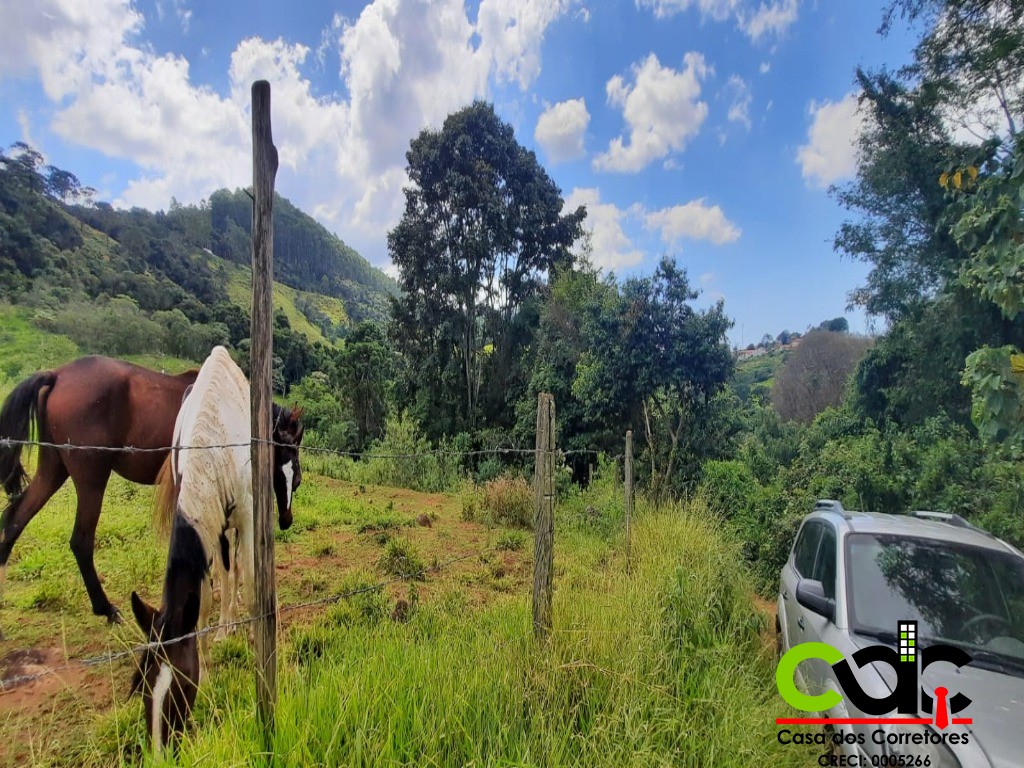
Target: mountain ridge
<point>47,241</point>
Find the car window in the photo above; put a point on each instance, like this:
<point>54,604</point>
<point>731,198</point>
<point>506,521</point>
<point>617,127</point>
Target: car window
<point>806,548</point>
<point>958,594</point>
<point>825,564</point>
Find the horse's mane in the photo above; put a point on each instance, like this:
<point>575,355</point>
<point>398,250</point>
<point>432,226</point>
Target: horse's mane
<point>165,499</point>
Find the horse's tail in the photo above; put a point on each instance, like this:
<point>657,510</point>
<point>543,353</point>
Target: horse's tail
<point>23,406</point>
<point>165,500</point>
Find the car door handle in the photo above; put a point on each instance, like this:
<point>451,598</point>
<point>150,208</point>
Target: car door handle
<point>800,622</point>
<point>785,594</point>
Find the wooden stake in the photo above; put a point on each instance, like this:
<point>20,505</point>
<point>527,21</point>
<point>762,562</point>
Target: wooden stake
<point>629,493</point>
<point>544,521</point>
<point>264,171</point>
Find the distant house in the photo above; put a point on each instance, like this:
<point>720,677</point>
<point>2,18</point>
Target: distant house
<point>745,354</point>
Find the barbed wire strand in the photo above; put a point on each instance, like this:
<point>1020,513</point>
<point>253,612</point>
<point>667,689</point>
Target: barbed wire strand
<point>10,683</point>
<point>8,442</point>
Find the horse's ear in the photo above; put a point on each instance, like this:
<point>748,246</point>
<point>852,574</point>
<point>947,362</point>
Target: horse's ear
<point>145,615</point>
<point>296,427</point>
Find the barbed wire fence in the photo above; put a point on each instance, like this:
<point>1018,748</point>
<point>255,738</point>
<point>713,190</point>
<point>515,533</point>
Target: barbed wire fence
<point>360,455</point>
<point>544,488</point>
<point>14,681</point>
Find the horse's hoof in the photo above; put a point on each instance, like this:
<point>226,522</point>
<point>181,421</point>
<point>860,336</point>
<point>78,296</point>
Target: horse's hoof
<point>114,617</point>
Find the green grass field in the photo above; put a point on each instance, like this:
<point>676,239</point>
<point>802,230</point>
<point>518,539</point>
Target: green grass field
<point>668,665</point>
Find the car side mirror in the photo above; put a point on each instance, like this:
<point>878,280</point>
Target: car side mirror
<point>811,595</point>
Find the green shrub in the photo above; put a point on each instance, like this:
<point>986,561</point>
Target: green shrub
<point>728,488</point>
<point>117,327</point>
<point>365,602</point>
<point>404,458</point>
<point>508,500</point>
<point>401,559</point>
<point>600,507</point>
<point>510,541</point>
<point>488,470</point>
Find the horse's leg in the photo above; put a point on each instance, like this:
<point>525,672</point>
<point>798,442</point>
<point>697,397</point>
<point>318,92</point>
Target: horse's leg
<point>229,588</point>
<point>205,603</point>
<point>245,565</point>
<point>49,477</point>
<point>83,538</point>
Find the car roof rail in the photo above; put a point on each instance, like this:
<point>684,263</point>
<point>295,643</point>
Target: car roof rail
<point>829,505</point>
<point>947,517</point>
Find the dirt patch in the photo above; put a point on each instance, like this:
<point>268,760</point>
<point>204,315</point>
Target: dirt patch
<point>47,673</point>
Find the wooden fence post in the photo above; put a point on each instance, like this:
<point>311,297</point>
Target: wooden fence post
<point>629,493</point>
<point>544,521</point>
<point>264,170</point>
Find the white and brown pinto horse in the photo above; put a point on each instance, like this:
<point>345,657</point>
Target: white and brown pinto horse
<point>206,492</point>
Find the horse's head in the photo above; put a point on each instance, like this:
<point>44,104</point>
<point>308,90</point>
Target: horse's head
<point>168,674</point>
<point>287,472</point>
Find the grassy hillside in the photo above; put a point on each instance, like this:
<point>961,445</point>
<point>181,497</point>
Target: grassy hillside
<point>306,255</point>
<point>26,348</point>
<point>670,665</point>
<point>238,282</point>
<point>56,254</point>
<point>755,375</point>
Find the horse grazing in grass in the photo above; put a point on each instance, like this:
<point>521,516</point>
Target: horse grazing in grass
<point>96,401</point>
<point>93,401</point>
<point>206,494</point>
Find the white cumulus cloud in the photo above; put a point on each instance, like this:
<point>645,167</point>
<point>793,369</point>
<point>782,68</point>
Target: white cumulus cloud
<point>695,220</point>
<point>511,32</point>
<point>611,247</point>
<point>404,65</point>
<point>662,109</point>
<point>560,130</point>
<point>66,42</point>
<point>830,153</point>
<point>755,22</point>
<point>773,19</point>
<point>719,10</point>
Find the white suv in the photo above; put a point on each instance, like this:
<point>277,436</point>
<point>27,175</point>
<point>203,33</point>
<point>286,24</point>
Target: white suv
<point>854,579</point>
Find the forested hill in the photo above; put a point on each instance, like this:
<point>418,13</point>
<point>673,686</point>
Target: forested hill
<point>306,255</point>
<point>48,226</point>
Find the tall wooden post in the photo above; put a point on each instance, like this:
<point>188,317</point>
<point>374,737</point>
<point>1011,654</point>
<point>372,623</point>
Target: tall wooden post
<point>629,493</point>
<point>544,522</point>
<point>264,170</point>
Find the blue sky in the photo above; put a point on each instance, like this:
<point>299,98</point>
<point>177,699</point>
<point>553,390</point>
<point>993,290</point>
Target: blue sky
<point>706,129</point>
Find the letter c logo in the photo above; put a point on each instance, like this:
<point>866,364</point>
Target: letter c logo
<point>785,677</point>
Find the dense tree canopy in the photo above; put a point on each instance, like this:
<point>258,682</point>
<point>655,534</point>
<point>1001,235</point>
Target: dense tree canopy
<point>635,355</point>
<point>483,229</point>
<point>938,136</point>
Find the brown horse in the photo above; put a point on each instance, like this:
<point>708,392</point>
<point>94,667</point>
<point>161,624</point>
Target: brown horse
<point>92,401</point>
